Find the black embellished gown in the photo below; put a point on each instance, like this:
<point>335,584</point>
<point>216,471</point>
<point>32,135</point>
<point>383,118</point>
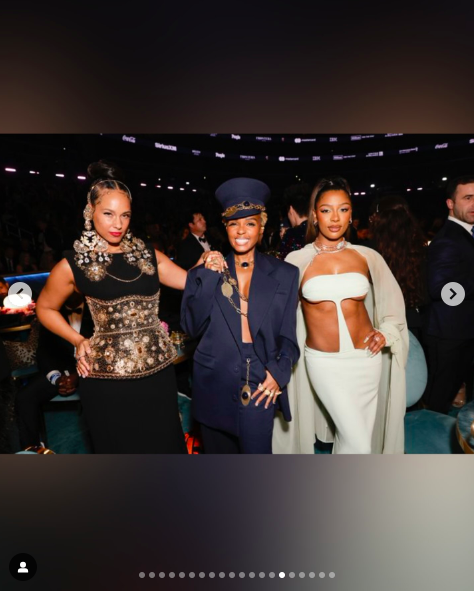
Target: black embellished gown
<point>130,396</point>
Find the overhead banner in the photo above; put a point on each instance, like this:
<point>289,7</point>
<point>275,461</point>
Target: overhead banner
<point>220,155</point>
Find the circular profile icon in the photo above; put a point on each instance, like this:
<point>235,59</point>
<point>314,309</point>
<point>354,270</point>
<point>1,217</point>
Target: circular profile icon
<point>23,567</point>
<point>19,295</point>
<point>453,294</point>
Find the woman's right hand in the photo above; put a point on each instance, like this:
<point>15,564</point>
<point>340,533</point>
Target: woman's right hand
<point>83,350</point>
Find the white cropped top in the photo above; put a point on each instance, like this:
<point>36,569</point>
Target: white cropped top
<point>335,288</point>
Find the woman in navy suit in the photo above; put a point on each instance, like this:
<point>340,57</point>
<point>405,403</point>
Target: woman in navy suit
<point>244,308</point>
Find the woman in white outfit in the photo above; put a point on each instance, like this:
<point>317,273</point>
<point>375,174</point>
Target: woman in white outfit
<point>351,309</point>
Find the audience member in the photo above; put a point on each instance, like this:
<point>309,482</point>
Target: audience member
<point>57,370</point>
<point>450,333</point>
<point>297,204</point>
<point>195,243</point>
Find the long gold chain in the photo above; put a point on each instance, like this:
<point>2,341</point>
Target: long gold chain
<point>231,283</point>
<point>124,280</point>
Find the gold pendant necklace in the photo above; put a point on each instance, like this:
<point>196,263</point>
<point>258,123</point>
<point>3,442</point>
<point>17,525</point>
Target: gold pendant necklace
<point>227,289</point>
<point>246,392</point>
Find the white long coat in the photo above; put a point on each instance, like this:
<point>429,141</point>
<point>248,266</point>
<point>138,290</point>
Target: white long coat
<point>386,309</point>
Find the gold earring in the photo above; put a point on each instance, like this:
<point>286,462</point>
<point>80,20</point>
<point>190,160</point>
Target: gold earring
<point>88,216</point>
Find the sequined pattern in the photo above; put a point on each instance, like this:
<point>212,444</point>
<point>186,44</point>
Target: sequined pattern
<point>129,340</point>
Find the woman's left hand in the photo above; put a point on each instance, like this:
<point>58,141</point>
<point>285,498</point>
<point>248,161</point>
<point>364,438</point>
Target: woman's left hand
<point>375,342</point>
<point>268,389</point>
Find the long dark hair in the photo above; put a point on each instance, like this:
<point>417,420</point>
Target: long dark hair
<point>332,183</point>
<point>399,239</point>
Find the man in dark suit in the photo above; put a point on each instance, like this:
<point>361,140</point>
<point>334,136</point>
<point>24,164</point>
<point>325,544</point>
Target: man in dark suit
<point>450,332</point>
<point>195,243</point>
<point>188,253</point>
<point>57,371</point>
<point>297,203</point>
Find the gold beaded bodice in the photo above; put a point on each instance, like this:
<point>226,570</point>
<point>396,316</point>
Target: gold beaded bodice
<point>129,340</point>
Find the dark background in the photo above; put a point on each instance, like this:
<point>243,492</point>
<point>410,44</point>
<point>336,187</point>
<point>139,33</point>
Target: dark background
<point>377,522</point>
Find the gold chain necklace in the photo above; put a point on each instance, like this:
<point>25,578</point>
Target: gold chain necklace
<point>227,288</point>
<point>124,280</point>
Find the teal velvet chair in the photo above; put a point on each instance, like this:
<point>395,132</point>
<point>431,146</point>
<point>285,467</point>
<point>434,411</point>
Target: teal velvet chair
<point>426,431</point>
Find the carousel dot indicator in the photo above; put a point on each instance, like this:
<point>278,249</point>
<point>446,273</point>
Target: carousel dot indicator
<point>271,575</point>
<point>192,575</point>
<point>222,575</point>
<point>152,575</point>
<point>261,575</point>
<point>322,575</point>
<point>162,575</point>
<point>291,575</point>
<point>202,575</point>
<point>242,575</point>
<point>281,575</point>
<point>142,575</point>
<point>302,575</point>
<point>311,575</point>
<point>212,575</point>
<point>252,575</point>
<point>231,575</point>
<point>171,575</point>
<point>332,575</point>
<point>182,575</point>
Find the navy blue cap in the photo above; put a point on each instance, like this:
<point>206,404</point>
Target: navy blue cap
<point>242,197</point>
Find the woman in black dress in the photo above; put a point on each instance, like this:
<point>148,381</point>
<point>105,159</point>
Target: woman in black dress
<point>128,385</point>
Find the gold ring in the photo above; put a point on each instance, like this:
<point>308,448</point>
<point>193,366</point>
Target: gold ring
<point>260,387</point>
<point>268,392</point>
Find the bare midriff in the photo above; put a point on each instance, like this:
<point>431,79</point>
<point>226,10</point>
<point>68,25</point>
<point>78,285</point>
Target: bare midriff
<point>323,328</point>
<point>321,317</point>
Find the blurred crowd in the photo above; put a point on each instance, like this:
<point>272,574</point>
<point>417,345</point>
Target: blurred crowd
<point>39,221</point>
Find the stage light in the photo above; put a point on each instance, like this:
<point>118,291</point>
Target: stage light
<point>33,172</point>
<point>158,186</point>
<point>10,169</point>
<point>81,178</point>
<point>420,189</point>
<point>142,184</point>
<point>408,189</point>
<point>194,190</point>
<point>356,193</point>
<point>445,178</point>
<point>363,193</point>
<point>170,188</point>
<point>60,175</point>
<point>187,182</point>
<point>181,189</point>
<point>372,186</point>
